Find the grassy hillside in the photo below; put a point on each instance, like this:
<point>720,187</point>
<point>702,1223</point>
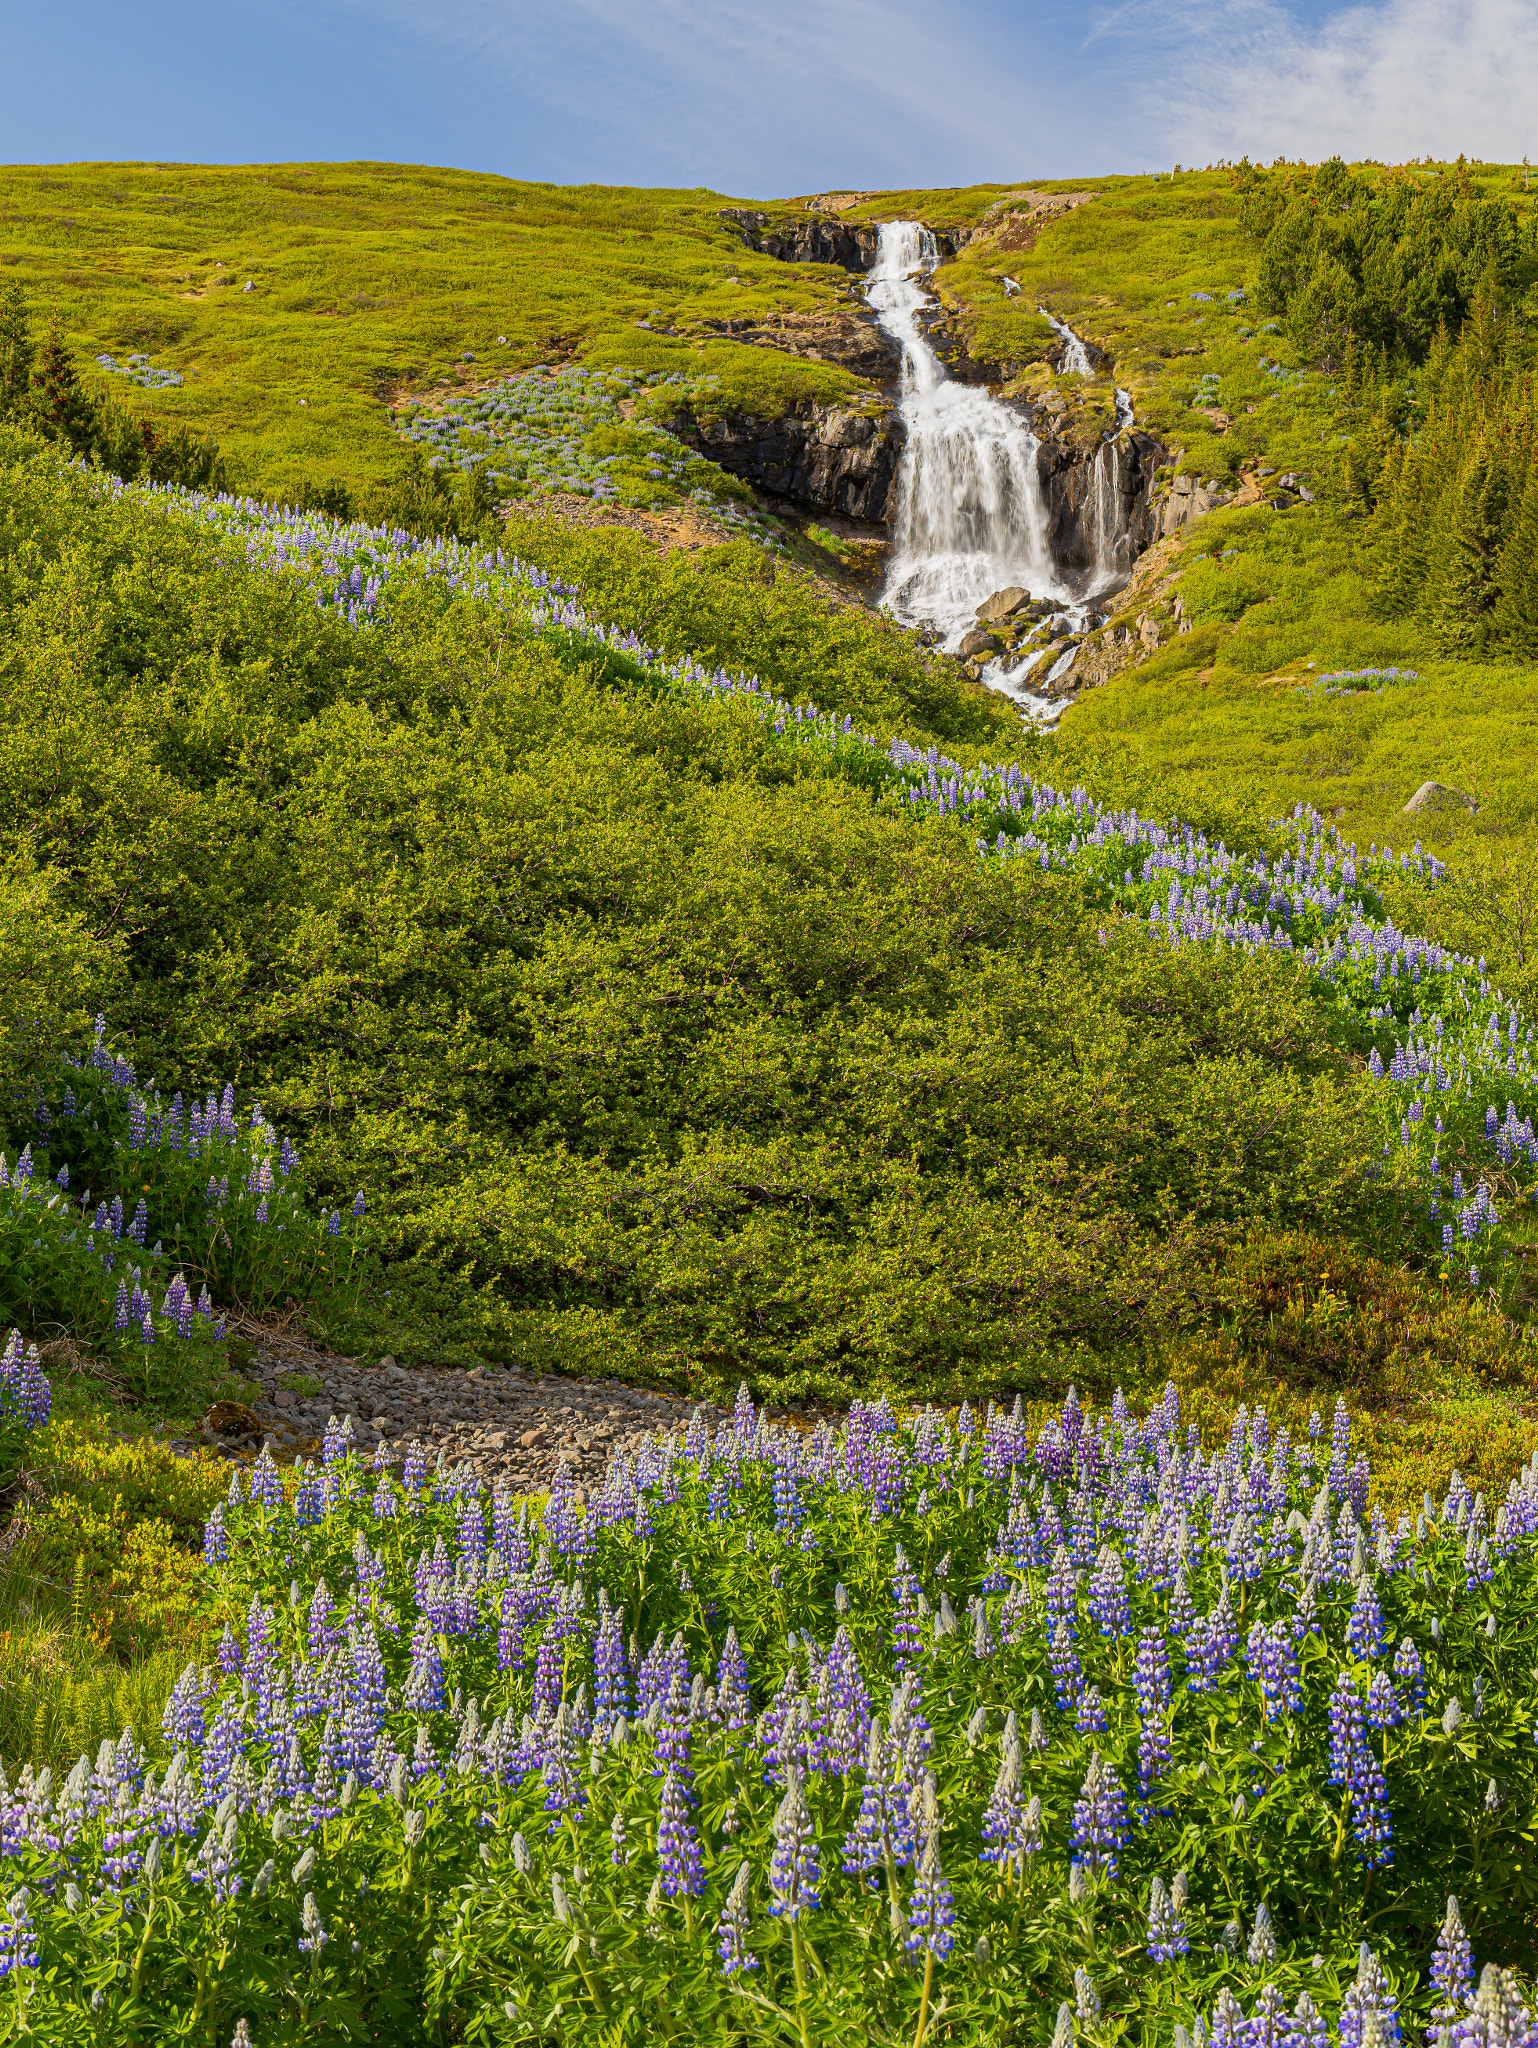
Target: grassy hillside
<point>369,280</point>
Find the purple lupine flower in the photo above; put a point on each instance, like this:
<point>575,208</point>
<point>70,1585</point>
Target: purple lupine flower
<point>266,1485</point>
<point>1067,1673</point>
<point>1497,2016</point>
<point>795,1869</point>
<point>1410,1676</point>
<point>883,1826</point>
<point>215,1863</point>
<point>1166,1926</point>
<point>321,1633</point>
<point>1099,1820</point>
<point>907,1636</point>
<point>678,1842</point>
<point>1369,1993</point>
<point>611,1672</point>
<point>1384,1710</point>
<point>1365,1632</point>
<point>931,1910</point>
<point>18,1938</point>
<point>1452,1962</point>
<point>183,1724</point>
<point>231,1662</point>
<point>423,1691</point>
<point>1061,1594</point>
<point>1306,2029</point>
<point>1089,1712</point>
<point>358,1203</point>
<point>1269,2025</point>
<point>1011,1829</point>
<point>1229,2028</point>
<point>732,1929</point>
<point>363,1716</point>
<point>472,1530</point>
<point>733,1702</point>
<point>1108,1600</point>
<point>1210,1644</point>
<point>565,1791</point>
<point>1272,1655</point>
<point>1151,1683</point>
<point>414,1471</point>
<point>310,1500</point>
<point>122,1858</point>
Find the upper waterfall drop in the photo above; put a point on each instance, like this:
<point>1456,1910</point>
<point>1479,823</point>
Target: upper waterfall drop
<point>971,516</point>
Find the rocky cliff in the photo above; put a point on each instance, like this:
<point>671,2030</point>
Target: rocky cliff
<point>825,456</point>
<point>1100,498</point>
<point>817,239</point>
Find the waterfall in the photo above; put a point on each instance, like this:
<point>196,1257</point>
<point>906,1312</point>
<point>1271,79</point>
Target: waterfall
<point>1075,355</point>
<point>971,515</point>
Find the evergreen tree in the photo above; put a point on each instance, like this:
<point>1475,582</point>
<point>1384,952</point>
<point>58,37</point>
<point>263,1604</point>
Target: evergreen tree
<point>15,351</point>
<point>1514,615</point>
<point>60,404</point>
<point>1469,540</point>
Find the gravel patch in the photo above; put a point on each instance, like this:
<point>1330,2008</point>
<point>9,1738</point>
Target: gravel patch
<point>502,1422</point>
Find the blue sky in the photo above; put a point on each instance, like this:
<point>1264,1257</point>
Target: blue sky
<point>770,97</point>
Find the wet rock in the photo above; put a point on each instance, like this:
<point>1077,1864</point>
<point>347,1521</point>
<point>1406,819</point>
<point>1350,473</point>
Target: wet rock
<point>1100,507</point>
<point>1003,604</point>
<point>1439,796</point>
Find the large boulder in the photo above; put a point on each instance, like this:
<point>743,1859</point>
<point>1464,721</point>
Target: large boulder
<point>1438,796</point>
<point>980,641</point>
<point>1002,604</point>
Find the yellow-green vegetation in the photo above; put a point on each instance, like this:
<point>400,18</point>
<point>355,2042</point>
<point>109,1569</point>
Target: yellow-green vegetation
<point>371,280</point>
<point>101,1597</point>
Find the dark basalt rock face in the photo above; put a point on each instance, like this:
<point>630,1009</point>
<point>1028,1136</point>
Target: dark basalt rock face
<point>1068,478</point>
<point>820,238</point>
<point>821,455</point>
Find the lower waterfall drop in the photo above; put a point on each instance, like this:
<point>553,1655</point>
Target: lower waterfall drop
<point>971,513</point>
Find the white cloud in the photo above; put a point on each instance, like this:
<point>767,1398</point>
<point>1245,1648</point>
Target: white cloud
<point>1402,79</point>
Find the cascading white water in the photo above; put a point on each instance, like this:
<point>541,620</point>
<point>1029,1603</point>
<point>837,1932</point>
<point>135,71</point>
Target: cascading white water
<point>971,514</point>
<point>971,517</point>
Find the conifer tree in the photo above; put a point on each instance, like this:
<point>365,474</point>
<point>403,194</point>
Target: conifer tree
<point>15,351</point>
<point>59,402</point>
<point>1514,615</point>
<point>1469,539</point>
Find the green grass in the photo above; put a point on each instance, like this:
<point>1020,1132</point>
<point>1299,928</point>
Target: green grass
<point>369,279</point>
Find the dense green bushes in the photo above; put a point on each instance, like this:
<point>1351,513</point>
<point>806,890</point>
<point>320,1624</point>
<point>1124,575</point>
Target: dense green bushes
<point>679,1051</point>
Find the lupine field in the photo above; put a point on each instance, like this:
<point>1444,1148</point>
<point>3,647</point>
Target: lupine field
<point>906,1731</point>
